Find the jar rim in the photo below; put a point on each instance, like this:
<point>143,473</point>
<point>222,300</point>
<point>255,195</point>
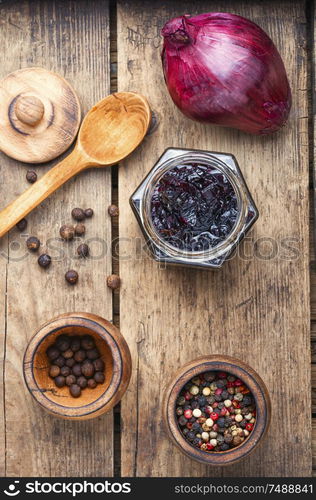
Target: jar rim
<point>206,159</point>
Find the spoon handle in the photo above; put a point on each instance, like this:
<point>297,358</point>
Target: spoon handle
<point>41,189</point>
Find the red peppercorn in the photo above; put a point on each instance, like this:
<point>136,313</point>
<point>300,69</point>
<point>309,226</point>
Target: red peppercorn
<point>224,412</point>
<point>188,414</point>
<point>238,382</point>
<point>215,427</point>
<point>189,425</point>
<point>188,396</point>
<point>235,404</point>
<point>214,416</point>
<point>218,391</point>
<point>230,384</point>
<point>215,405</point>
<point>209,446</point>
<point>249,427</point>
<point>208,409</point>
<point>222,375</point>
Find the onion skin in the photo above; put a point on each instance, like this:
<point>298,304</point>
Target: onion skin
<point>224,69</point>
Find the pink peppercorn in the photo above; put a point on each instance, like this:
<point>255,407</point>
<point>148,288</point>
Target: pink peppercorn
<point>209,446</point>
<point>222,375</point>
<point>188,414</point>
<point>224,412</point>
<point>215,427</point>
<point>249,427</point>
<point>208,409</point>
<point>188,396</point>
<point>215,405</point>
<point>213,415</point>
<point>189,425</point>
<point>238,382</point>
<point>218,391</point>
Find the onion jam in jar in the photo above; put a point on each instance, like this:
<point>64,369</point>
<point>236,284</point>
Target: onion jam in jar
<point>194,208</point>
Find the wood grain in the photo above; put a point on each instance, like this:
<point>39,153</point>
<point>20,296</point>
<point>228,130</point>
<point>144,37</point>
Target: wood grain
<point>255,308</point>
<point>71,38</point>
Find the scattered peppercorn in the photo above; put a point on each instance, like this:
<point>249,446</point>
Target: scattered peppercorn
<point>22,225</point>
<point>33,243</point>
<point>44,260</point>
<point>88,212</point>
<point>67,232</point>
<point>31,176</point>
<point>75,362</point>
<point>215,411</point>
<point>113,211</point>
<point>80,229</point>
<point>78,214</point>
<point>113,281</point>
<point>72,277</point>
<point>83,250</point>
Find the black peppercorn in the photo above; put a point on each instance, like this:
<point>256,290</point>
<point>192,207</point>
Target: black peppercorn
<point>75,391</point>
<point>87,369</point>
<point>70,380</point>
<point>88,212</point>
<point>78,214</point>
<point>63,343</point>
<point>92,383</point>
<point>98,365</point>
<point>80,356</point>
<point>60,361</point>
<point>31,176</point>
<point>80,229</point>
<point>60,381</point>
<point>70,362</point>
<point>99,377</point>
<point>83,250</point>
<point>82,382</point>
<point>113,281</point>
<point>182,421</point>
<point>209,376</point>
<point>22,225</point>
<point>54,371</point>
<point>93,354</point>
<point>68,354</point>
<point>65,371</point>
<point>190,436</point>
<point>44,260</point>
<point>67,232</point>
<point>75,344</point>
<point>52,352</point>
<point>113,211</point>
<point>76,370</point>
<point>87,342</point>
<point>33,243</point>
<point>72,277</point>
<point>224,447</point>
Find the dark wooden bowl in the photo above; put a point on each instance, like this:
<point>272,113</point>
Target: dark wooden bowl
<point>234,367</point>
<point>92,402</point>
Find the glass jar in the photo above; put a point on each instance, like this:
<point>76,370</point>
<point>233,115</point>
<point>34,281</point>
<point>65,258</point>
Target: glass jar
<point>164,251</point>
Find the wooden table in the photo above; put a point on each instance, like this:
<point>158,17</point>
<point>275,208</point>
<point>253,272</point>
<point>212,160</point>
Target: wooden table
<point>256,308</point>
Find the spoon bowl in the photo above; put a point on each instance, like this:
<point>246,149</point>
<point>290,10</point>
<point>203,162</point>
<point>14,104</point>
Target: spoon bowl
<point>110,132</point>
<point>123,120</point>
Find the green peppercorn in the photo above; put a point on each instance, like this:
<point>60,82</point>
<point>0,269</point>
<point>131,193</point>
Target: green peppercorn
<point>31,176</point>
<point>67,232</point>
<point>98,365</point>
<point>87,342</point>
<point>68,354</point>
<point>63,343</point>
<point>52,352</point>
<point>92,383</point>
<point>82,382</point>
<point>80,356</point>
<point>88,212</point>
<point>87,369</point>
<point>76,370</point>
<point>83,251</point>
<point>78,214</point>
<point>71,276</point>
<point>70,362</point>
<point>80,229</point>
<point>93,354</point>
<point>70,380</point>
<point>65,371</point>
<point>22,225</point>
<point>75,344</point>
<point>60,361</point>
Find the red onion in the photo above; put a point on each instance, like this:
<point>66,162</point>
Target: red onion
<point>223,69</point>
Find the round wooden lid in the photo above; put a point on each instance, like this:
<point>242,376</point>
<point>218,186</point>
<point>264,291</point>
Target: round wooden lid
<point>39,115</point>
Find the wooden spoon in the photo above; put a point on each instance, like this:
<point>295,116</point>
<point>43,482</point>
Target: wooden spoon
<point>111,130</point>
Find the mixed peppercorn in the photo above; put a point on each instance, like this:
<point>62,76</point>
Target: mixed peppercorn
<point>75,362</point>
<point>215,411</point>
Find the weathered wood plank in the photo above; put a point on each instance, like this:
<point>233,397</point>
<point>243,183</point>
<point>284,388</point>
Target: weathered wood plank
<point>71,38</point>
<point>258,309</point>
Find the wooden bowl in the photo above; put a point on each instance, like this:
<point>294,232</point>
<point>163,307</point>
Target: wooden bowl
<point>92,402</point>
<point>249,377</point>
